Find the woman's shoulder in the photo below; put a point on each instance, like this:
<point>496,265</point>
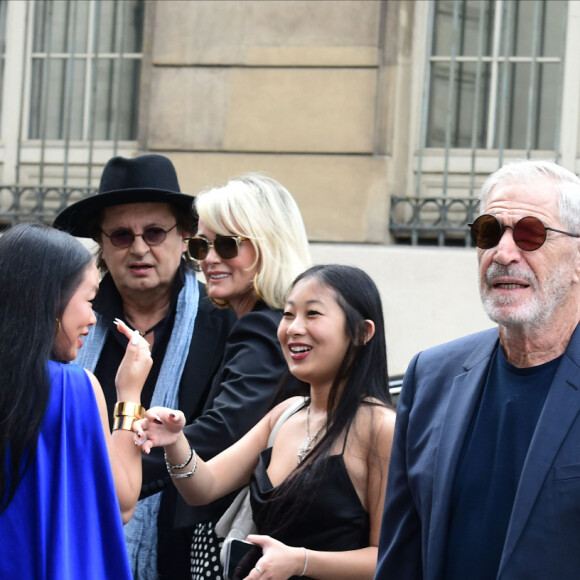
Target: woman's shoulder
<point>262,311</point>
<point>292,404</point>
<point>287,408</point>
<point>67,370</point>
<point>71,385</point>
<point>261,320</point>
<point>376,417</point>
<point>372,403</point>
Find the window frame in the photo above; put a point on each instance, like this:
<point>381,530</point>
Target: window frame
<point>25,159</point>
<point>436,160</point>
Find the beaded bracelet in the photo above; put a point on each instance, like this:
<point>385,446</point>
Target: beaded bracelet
<point>170,467</point>
<point>187,473</point>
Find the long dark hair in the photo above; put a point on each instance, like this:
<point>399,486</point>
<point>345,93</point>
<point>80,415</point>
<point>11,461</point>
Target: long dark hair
<point>40,269</point>
<point>362,378</point>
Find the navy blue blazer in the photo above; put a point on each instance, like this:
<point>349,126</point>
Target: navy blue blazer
<point>440,392</point>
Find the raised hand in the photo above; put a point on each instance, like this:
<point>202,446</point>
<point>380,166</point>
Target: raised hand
<point>160,427</point>
<point>134,367</point>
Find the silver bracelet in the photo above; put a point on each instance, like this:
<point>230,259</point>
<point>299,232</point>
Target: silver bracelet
<point>187,473</point>
<point>305,561</point>
<point>170,467</point>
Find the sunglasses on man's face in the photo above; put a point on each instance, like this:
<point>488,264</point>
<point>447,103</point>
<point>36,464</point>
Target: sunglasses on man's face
<point>123,238</point>
<point>226,247</point>
<point>529,233</point>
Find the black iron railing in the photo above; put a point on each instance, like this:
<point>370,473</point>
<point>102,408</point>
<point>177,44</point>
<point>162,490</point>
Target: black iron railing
<point>37,203</point>
<point>438,221</point>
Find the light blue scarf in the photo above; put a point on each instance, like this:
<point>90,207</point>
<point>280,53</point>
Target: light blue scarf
<point>141,531</point>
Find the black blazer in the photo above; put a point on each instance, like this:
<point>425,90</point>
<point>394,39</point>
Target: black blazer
<point>241,393</point>
<point>210,332</point>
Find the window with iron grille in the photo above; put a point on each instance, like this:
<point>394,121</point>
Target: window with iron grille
<point>85,69</point>
<point>73,68</point>
<point>2,53</point>
<point>499,83</point>
<point>496,74</point>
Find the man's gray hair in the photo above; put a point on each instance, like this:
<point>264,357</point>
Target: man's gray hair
<point>567,185</point>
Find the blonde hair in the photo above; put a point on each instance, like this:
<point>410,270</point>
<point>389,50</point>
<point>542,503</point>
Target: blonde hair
<point>261,209</point>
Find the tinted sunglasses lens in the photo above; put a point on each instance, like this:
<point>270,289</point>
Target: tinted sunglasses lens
<point>197,248</point>
<point>122,238</point>
<point>486,232</point>
<point>154,236</point>
<point>226,247</point>
<point>529,233</point>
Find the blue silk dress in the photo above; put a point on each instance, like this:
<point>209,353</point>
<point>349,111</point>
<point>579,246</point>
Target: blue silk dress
<point>64,521</point>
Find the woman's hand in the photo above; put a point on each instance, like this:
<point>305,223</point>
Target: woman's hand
<point>160,427</point>
<point>278,562</point>
<point>135,366</point>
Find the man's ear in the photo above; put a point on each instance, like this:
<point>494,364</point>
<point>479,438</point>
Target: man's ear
<point>369,330</point>
<point>577,268</point>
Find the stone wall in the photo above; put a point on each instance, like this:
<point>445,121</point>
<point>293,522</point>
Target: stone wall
<point>430,295</point>
<point>309,92</point>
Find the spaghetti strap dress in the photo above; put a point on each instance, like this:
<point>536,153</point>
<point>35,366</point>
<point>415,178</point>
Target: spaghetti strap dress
<point>334,519</point>
<point>64,523</point>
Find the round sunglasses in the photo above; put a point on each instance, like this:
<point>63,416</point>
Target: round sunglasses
<point>123,238</point>
<point>529,233</point>
<point>226,247</point>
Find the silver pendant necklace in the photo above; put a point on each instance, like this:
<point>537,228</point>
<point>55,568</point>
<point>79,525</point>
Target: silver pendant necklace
<point>305,449</point>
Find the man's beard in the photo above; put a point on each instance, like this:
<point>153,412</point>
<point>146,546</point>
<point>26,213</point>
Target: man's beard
<point>536,309</point>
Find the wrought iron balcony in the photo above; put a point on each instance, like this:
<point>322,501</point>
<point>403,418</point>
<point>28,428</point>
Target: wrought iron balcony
<point>438,221</point>
<point>37,203</point>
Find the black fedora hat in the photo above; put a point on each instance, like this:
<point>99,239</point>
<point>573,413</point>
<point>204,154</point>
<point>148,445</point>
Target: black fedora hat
<point>147,178</point>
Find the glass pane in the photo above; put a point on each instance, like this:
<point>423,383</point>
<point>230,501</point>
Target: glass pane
<point>469,15</point>
<point>518,28</point>
<point>59,25</point>
<point>114,108</point>
<point>463,108</point>
<point>549,90</point>
<point>508,108</point>
<point>57,108</point>
<point>543,119</point>
<point>114,14</point>
<point>3,6</point>
<point>107,23</point>
<point>61,94</point>
<point>42,94</point>
<point>72,114</point>
<point>554,28</point>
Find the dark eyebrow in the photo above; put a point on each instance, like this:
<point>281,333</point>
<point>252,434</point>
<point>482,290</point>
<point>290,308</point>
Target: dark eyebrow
<point>154,224</point>
<point>308,302</point>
